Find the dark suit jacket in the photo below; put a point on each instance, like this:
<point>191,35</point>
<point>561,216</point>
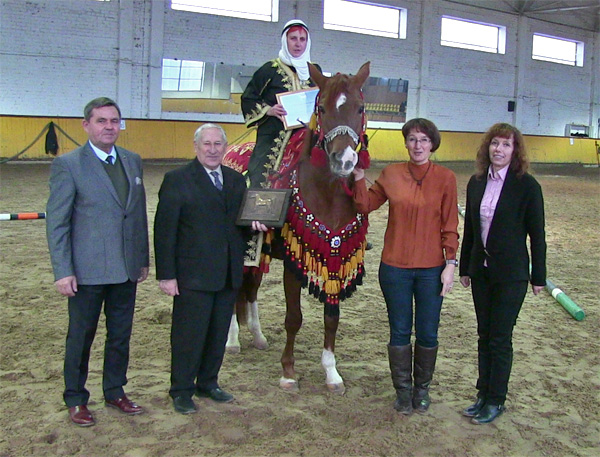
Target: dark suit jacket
<point>91,234</point>
<point>519,212</point>
<point>196,240</point>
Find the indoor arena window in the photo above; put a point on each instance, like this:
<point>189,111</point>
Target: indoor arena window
<point>182,75</point>
<point>365,18</point>
<point>477,36</point>
<point>557,50</point>
<point>259,10</point>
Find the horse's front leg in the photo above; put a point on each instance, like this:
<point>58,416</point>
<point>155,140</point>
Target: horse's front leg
<point>334,381</point>
<point>259,341</point>
<point>233,337</point>
<point>293,322</point>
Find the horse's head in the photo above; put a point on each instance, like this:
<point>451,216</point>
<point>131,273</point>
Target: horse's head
<point>340,118</point>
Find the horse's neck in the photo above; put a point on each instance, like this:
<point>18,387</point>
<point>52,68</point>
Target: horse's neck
<point>325,196</point>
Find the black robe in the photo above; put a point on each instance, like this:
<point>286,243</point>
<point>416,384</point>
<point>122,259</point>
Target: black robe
<point>272,78</point>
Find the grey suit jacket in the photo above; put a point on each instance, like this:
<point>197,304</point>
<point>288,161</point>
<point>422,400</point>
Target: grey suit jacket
<point>91,235</point>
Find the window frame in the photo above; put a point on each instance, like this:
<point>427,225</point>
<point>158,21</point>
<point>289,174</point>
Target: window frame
<point>498,48</point>
<point>253,10</point>
<point>179,79</point>
<point>578,56</point>
<point>397,32</point>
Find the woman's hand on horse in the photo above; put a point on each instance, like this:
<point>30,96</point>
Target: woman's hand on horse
<point>259,227</point>
<point>359,174</point>
<point>277,111</point>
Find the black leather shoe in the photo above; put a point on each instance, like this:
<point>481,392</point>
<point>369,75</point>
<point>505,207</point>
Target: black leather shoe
<point>184,405</point>
<point>488,414</point>
<point>474,409</point>
<point>216,394</point>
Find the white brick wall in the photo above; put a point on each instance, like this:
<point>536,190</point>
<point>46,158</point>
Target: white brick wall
<point>58,54</point>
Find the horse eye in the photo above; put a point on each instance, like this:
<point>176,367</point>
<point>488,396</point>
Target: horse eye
<point>321,109</point>
<point>361,109</point>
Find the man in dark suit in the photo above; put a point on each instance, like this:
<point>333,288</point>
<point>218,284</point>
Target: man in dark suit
<point>199,262</point>
<point>97,234</point>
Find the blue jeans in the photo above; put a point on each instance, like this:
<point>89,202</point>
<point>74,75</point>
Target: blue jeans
<point>399,286</point>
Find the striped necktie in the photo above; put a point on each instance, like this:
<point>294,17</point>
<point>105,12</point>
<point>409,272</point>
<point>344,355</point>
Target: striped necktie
<point>217,179</point>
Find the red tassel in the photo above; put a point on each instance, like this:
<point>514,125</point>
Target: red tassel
<point>364,160</point>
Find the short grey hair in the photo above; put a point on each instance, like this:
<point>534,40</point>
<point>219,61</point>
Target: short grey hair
<point>204,127</point>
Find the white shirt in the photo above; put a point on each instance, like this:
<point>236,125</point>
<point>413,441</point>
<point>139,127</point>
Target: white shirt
<point>103,155</point>
<point>218,170</point>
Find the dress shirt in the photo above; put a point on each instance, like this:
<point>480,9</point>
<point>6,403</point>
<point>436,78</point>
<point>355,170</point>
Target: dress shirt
<point>493,188</point>
<point>218,170</point>
<point>422,229</point>
<point>103,155</point>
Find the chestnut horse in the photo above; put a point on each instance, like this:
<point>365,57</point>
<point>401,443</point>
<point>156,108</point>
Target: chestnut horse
<point>323,240</point>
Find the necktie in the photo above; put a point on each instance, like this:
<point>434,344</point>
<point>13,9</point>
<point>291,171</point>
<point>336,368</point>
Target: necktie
<point>218,183</point>
<point>109,160</point>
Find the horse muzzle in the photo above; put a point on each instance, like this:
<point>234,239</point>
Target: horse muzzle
<point>342,163</point>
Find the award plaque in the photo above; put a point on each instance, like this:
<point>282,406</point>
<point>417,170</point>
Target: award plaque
<point>268,206</point>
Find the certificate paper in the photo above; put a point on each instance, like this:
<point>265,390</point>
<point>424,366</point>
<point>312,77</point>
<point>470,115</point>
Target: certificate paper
<point>299,106</point>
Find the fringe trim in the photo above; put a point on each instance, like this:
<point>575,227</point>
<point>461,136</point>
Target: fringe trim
<point>330,264</point>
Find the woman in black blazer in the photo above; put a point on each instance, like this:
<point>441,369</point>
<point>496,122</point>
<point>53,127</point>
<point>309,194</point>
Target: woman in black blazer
<point>504,206</point>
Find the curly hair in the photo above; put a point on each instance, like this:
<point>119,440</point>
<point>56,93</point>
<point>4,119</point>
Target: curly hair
<point>424,126</point>
<point>519,162</point>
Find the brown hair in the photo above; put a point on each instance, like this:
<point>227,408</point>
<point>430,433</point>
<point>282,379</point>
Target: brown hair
<point>424,126</point>
<point>100,102</point>
<point>519,162</point>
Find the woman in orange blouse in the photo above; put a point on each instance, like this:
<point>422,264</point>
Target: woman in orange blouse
<point>418,258</point>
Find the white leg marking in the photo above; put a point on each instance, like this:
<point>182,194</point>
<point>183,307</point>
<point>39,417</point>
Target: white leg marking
<point>287,384</point>
<point>334,381</point>
<point>259,342</point>
<point>233,342</point>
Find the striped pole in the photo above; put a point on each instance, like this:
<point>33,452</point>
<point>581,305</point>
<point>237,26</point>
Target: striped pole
<point>569,305</point>
<point>21,216</point>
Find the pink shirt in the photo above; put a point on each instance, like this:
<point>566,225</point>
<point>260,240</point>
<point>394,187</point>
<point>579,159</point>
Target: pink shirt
<point>495,181</point>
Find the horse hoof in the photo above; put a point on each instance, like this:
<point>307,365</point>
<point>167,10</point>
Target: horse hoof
<point>289,385</point>
<point>232,349</point>
<point>260,343</point>
<point>337,389</point>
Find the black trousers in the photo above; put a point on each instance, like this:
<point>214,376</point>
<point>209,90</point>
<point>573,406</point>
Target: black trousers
<point>497,306</point>
<point>84,313</point>
<point>198,336</point>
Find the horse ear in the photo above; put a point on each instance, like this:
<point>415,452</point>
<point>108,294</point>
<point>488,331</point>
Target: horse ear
<point>362,74</point>
<point>316,75</point>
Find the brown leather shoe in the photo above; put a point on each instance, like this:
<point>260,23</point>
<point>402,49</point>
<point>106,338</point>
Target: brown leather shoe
<point>81,416</point>
<point>125,405</point>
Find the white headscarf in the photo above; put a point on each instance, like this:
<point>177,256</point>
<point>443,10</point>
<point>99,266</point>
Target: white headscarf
<point>299,63</point>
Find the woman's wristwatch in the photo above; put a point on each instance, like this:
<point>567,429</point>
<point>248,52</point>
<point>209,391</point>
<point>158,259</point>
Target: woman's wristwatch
<point>452,262</point>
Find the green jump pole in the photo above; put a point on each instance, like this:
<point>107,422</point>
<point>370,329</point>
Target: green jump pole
<point>569,305</point>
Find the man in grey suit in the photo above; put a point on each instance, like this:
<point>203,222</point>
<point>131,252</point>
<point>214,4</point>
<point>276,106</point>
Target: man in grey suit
<point>97,232</point>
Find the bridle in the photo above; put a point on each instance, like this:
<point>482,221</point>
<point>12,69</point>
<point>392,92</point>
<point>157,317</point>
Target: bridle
<point>323,139</point>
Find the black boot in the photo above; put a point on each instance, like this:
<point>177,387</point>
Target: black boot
<point>400,358</point>
<point>424,368</point>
